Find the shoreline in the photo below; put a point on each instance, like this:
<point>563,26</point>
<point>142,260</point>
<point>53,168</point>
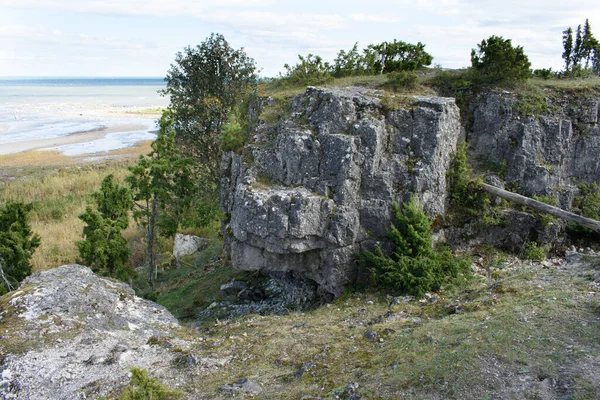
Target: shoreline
<point>74,138</point>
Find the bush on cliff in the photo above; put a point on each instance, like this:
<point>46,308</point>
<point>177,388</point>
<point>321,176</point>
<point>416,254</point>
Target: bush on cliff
<point>414,267</point>
<point>17,244</point>
<point>467,197</point>
<point>497,61</point>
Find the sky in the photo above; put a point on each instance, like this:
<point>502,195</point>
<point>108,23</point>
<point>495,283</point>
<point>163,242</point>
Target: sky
<point>141,37</point>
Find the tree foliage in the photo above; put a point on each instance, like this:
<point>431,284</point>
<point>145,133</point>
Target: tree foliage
<point>349,63</point>
<point>413,267</point>
<point>497,61</point>
<point>104,249</point>
<point>379,58</point>
<point>163,187</point>
<point>310,70</point>
<point>17,244</point>
<point>568,48</point>
<point>582,54</point>
<point>205,83</point>
<point>396,56</point>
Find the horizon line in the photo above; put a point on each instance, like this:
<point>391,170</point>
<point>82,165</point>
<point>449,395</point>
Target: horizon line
<point>78,77</point>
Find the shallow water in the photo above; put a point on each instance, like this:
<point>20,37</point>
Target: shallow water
<point>35,109</point>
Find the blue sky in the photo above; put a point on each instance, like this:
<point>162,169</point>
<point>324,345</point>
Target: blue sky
<point>141,37</point>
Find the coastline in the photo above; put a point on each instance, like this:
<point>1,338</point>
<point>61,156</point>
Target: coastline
<point>74,138</point>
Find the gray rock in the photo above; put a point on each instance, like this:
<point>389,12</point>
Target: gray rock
<point>83,334</point>
<point>371,335</point>
<point>184,245</point>
<point>231,289</point>
<point>242,386</point>
<point>310,198</point>
<point>556,150</point>
<point>306,366</point>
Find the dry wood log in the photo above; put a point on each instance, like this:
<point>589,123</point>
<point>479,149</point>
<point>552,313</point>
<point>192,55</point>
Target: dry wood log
<point>543,207</point>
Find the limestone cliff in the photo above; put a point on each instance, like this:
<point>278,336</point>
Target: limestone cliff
<point>310,190</point>
<point>539,155</point>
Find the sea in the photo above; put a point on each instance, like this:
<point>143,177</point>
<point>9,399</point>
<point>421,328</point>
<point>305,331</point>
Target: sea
<point>33,110</point>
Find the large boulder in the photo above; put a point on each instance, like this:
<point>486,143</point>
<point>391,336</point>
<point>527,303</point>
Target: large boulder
<point>184,245</point>
<point>313,189</point>
<point>69,334</point>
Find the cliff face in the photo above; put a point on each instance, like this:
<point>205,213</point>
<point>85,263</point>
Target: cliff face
<point>540,155</point>
<point>312,189</point>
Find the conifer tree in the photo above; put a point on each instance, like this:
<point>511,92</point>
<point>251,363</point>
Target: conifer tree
<point>568,47</point>
<point>104,250</point>
<point>163,188</point>
<point>413,267</point>
<point>577,49</point>
<point>588,43</point>
<point>17,244</point>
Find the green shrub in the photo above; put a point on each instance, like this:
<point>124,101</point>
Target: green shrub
<point>143,387</point>
<point>414,267</point>
<point>533,251</point>
<point>531,102</point>
<point>587,204</point>
<point>543,73</point>
<point>311,70</point>
<point>497,61</point>
<point>402,80</point>
<point>233,137</point>
<point>467,197</point>
<point>17,244</point>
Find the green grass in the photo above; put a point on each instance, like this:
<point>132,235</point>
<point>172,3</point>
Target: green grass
<point>186,290</point>
<point>530,325</point>
<point>58,195</point>
<point>589,85</point>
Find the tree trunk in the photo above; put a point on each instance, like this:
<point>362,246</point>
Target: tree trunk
<point>150,243</point>
<point>543,207</point>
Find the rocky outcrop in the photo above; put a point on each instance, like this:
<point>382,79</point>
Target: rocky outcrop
<point>545,155</point>
<point>184,245</point>
<point>314,188</point>
<point>68,334</point>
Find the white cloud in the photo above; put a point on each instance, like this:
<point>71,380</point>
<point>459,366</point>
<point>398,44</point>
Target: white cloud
<point>376,19</point>
<point>136,7</point>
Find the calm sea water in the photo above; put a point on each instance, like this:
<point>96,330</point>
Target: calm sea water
<point>40,108</point>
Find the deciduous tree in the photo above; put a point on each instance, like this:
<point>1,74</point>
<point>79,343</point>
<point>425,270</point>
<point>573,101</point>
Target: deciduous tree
<point>497,61</point>
<point>204,84</point>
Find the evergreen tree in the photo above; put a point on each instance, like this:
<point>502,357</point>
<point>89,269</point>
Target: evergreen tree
<point>577,49</point>
<point>163,188</point>
<point>588,43</point>
<point>568,47</point>
<point>596,59</point>
<point>413,267</point>
<point>17,244</point>
<point>104,250</point>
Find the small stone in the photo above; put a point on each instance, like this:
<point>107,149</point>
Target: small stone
<point>307,366</point>
<point>371,335</point>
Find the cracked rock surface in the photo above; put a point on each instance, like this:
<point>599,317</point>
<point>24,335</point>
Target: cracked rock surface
<point>316,187</point>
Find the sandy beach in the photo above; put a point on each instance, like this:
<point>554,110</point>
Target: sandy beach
<point>78,117</point>
<point>75,138</point>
